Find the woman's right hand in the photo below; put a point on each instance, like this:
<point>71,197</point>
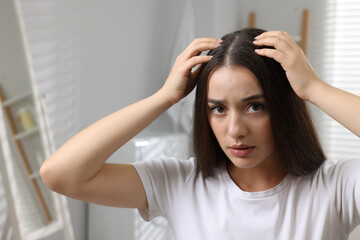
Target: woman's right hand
<point>181,81</point>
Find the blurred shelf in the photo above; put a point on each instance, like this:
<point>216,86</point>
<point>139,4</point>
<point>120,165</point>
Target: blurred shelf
<point>16,99</point>
<point>27,133</point>
<point>34,175</point>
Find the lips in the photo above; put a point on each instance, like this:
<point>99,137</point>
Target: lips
<point>241,150</point>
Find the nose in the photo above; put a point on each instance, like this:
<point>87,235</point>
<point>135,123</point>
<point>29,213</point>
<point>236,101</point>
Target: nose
<point>237,127</point>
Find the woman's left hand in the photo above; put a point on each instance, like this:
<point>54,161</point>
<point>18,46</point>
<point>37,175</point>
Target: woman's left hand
<point>299,72</point>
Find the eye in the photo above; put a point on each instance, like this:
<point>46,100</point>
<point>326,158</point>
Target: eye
<point>217,109</point>
<point>256,107</point>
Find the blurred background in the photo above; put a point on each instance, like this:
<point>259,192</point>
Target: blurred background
<point>66,64</point>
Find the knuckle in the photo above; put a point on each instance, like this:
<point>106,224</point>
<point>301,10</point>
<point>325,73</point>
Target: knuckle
<point>276,55</point>
<point>301,51</point>
<point>192,43</point>
<point>278,41</point>
<point>179,57</point>
<point>297,51</point>
<point>280,33</point>
<point>193,49</point>
<point>191,61</point>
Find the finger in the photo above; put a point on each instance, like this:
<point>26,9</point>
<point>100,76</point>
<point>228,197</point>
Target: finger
<point>192,62</point>
<point>271,34</point>
<point>278,43</point>
<point>197,49</point>
<point>271,53</point>
<point>205,40</point>
<point>277,34</point>
<point>198,41</point>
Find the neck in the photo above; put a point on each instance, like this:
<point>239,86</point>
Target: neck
<point>258,178</point>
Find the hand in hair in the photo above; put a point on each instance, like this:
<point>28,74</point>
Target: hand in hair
<point>342,106</point>
<point>181,81</point>
<point>299,72</point>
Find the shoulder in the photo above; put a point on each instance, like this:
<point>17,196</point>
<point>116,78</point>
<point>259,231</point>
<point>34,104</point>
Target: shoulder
<point>332,174</point>
<point>334,168</point>
<point>338,175</point>
<point>167,163</point>
<point>343,181</point>
<point>166,168</point>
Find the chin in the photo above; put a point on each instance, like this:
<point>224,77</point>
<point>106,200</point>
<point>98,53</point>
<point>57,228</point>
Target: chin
<point>244,162</point>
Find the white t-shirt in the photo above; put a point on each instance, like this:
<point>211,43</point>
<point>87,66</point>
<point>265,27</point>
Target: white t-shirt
<point>324,205</point>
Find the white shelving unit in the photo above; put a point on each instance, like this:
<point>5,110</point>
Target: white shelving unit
<point>35,212</point>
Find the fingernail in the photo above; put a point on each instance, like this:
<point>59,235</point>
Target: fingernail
<point>220,40</point>
<point>257,37</point>
<point>257,50</point>
<point>255,42</point>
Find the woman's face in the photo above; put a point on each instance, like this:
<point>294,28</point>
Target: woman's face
<point>239,118</point>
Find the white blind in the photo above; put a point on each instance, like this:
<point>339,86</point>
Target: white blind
<point>51,28</point>
<point>334,51</point>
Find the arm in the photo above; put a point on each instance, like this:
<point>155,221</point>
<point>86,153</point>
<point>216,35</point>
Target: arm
<point>342,106</point>
<point>78,169</point>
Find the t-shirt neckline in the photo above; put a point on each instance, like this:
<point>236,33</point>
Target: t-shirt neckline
<point>252,195</point>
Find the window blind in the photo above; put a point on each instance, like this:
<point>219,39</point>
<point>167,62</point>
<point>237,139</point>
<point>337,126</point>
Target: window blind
<point>51,28</point>
<point>50,31</point>
<point>334,51</point>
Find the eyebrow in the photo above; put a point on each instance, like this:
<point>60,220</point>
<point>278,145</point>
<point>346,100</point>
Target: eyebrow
<point>253,97</point>
<point>249,98</point>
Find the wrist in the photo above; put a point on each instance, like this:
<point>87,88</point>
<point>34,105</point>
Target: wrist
<point>317,90</point>
<point>165,97</point>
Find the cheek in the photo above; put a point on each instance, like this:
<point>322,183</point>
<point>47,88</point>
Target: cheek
<point>264,131</point>
<point>216,127</point>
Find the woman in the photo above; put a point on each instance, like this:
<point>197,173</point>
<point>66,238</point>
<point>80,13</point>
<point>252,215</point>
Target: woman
<point>259,171</point>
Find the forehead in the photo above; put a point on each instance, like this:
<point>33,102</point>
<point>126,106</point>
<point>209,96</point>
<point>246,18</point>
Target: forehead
<point>228,81</point>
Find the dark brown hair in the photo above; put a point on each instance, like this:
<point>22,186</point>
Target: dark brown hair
<point>293,130</point>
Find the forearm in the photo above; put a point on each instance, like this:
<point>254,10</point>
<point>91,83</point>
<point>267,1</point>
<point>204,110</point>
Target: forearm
<point>342,106</point>
<point>79,159</point>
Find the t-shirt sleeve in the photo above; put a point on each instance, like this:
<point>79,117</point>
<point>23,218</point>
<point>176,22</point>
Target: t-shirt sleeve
<point>344,179</point>
<point>162,179</point>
